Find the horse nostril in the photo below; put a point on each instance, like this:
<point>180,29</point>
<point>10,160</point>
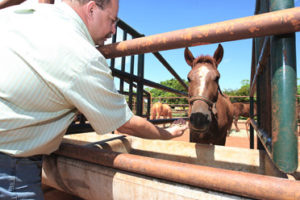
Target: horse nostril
<point>199,119</point>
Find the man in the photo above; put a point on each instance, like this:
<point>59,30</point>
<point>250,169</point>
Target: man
<point>50,71</point>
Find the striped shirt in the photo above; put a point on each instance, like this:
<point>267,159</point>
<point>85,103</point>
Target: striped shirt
<point>50,70</point>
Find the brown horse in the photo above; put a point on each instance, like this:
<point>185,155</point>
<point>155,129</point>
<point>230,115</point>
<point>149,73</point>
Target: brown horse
<point>158,109</point>
<point>210,111</point>
<point>242,109</point>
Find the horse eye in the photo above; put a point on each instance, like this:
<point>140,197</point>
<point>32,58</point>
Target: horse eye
<point>217,78</point>
<point>189,80</point>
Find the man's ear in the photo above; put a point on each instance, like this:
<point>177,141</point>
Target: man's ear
<point>90,8</point>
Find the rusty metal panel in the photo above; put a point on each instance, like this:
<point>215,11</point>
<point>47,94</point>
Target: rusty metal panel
<point>181,172</point>
<point>279,22</point>
<point>284,90</point>
<point>96,182</point>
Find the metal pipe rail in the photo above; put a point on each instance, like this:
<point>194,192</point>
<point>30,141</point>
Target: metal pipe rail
<point>272,23</point>
<point>170,69</point>
<point>163,121</point>
<point>161,59</point>
<point>233,182</point>
<point>127,76</point>
<point>140,78</point>
<point>7,3</point>
<point>264,55</point>
<point>263,137</point>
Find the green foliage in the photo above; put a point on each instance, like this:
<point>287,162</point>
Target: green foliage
<point>298,88</point>
<point>174,84</point>
<point>243,91</point>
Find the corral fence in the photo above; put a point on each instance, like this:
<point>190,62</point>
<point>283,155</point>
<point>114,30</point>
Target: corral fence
<point>273,74</point>
<point>273,71</point>
<point>275,22</point>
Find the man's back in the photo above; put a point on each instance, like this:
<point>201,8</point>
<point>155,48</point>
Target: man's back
<point>44,52</point>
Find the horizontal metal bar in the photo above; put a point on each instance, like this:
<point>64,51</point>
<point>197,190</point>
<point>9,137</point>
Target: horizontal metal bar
<point>136,34</point>
<point>129,29</point>
<point>163,121</point>
<point>106,140</point>
<point>7,3</point>
<point>228,181</point>
<point>170,69</point>
<point>263,137</point>
<point>79,128</point>
<point>125,75</point>
<point>272,23</point>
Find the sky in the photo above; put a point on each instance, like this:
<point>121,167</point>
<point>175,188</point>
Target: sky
<point>150,17</point>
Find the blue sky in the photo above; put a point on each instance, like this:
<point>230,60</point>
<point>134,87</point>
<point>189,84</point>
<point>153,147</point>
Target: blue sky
<point>151,17</point>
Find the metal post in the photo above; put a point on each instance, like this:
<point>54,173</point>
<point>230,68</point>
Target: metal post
<point>261,7</point>
<point>284,88</point>
<point>131,82</point>
<point>140,85</point>
<point>114,40</point>
<point>123,61</point>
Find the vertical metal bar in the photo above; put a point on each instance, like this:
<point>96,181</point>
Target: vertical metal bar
<point>170,69</point>
<point>261,7</point>
<point>123,64</point>
<point>148,105</point>
<point>140,85</point>
<point>284,87</point>
<point>251,127</point>
<point>131,82</point>
<point>253,64</point>
<point>112,60</point>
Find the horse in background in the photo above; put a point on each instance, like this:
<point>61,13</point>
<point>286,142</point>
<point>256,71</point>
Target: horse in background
<point>242,109</point>
<point>210,111</point>
<point>160,110</point>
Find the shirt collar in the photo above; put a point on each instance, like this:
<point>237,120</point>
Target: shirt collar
<point>76,20</point>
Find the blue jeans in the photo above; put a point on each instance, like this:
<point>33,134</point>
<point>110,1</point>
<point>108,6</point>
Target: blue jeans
<point>20,178</point>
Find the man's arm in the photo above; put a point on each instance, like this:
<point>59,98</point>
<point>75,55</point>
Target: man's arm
<point>140,127</point>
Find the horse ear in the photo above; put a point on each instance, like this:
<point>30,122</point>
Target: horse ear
<point>189,58</point>
<point>218,55</point>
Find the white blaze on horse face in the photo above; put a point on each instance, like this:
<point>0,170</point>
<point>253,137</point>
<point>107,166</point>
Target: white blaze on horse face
<point>203,71</point>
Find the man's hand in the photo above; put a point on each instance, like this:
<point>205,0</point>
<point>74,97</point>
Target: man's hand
<point>177,128</point>
<point>140,127</point>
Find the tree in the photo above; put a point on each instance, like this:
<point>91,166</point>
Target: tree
<point>174,84</point>
<point>298,88</point>
<point>244,90</point>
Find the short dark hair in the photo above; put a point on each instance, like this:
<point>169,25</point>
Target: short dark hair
<point>100,3</point>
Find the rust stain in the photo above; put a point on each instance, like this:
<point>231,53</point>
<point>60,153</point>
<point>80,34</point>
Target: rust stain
<point>187,36</point>
<point>275,125</point>
<point>295,23</point>
<point>147,42</point>
<point>122,46</point>
<point>254,29</point>
<point>201,43</point>
<point>231,28</point>
<point>285,55</point>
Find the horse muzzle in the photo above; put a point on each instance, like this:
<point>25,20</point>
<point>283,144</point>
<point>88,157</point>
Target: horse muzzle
<point>200,122</point>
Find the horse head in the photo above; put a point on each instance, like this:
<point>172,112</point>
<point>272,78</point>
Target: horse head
<point>203,90</point>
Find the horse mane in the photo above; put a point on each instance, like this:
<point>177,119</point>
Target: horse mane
<point>205,59</point>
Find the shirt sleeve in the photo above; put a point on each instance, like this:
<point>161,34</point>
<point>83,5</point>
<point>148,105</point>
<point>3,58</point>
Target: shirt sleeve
<point>94,94</point>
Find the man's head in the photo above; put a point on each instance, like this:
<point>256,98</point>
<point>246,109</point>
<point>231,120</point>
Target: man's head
<point>100,17</point>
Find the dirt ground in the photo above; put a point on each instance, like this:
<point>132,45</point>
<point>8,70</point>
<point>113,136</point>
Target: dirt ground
<point>234,139</point>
